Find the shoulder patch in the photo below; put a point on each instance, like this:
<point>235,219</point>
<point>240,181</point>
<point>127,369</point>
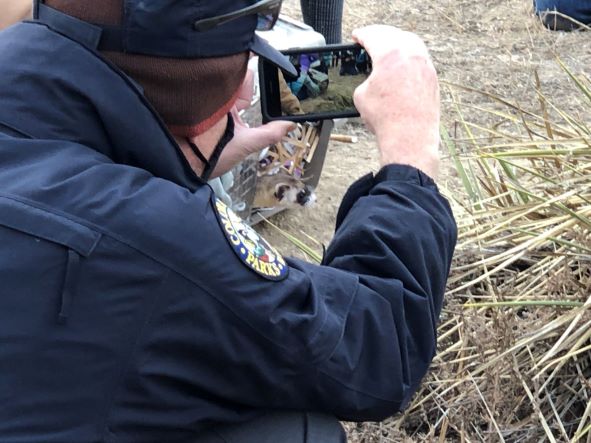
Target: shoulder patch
<point>253,250</point>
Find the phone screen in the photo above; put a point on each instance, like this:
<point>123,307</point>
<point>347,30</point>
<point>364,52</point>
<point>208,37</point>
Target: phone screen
<point>323,89</point>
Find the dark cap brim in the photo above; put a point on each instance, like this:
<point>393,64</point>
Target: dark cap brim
<point>260,47</point>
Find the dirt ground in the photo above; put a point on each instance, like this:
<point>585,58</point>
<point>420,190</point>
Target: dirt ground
<point>494,46</point>
<point>339,94</point>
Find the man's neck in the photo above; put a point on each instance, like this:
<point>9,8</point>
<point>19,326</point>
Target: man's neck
<point>13,11</point>
<point>206,143</point>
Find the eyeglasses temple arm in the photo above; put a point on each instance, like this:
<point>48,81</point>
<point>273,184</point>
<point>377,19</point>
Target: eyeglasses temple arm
<point>210,23</point>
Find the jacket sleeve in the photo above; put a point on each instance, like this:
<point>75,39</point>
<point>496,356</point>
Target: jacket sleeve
<point>352,337</point>
<point>397,234</point>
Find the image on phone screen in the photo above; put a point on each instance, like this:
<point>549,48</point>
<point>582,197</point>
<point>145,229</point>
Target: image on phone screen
<point>323,87</point>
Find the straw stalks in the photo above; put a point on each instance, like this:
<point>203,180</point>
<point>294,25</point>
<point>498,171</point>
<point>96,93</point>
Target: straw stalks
<point>514,347</point>
<point>514,361</point>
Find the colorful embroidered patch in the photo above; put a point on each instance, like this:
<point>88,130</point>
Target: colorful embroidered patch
<point>251,248</point>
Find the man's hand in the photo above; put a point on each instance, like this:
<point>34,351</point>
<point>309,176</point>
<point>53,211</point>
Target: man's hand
<point>248,140</point>
<point>399,102</point>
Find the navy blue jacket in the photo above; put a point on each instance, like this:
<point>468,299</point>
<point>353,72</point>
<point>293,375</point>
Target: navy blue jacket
<point>125,314</point>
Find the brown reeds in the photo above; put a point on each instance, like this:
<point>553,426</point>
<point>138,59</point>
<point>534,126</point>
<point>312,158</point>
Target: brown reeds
<point>514,347</point>
<point>514,360</point>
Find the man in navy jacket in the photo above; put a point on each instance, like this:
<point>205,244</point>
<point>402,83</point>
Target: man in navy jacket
<point>134,307</point>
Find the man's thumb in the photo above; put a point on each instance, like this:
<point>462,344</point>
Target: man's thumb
<point>274,131</point>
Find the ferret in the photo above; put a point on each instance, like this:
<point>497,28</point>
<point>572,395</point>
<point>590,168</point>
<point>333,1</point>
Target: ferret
<point>282,190</point>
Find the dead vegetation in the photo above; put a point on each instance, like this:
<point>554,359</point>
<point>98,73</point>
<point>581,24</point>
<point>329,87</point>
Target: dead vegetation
<point>514,360</point>
<point>514,349</point>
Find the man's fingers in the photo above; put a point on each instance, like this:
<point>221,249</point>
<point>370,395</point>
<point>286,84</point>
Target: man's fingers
<point>359,100</point>
<point>380,40</point>
<point>254,139</point>
<point>367,33</point>
<point>376,39</point>
<point>249,140</point>
<point>273,132</point>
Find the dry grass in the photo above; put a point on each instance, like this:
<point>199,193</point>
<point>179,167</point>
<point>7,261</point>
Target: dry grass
<point>514,360</point>
<point>514,347</point>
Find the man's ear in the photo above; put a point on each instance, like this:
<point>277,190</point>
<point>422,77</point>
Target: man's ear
<point>280,190</point>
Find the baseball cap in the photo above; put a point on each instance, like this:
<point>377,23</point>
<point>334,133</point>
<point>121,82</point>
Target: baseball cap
<point>165,28</point>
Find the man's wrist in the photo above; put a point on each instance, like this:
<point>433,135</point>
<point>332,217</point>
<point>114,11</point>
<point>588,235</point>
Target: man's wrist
<point>413,143</point>
<point>403,173</point>
<point>426,162</point>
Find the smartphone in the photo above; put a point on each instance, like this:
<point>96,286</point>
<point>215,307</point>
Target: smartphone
<point>323,89</point>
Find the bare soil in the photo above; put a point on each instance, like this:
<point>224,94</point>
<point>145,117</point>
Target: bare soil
<point>338,96</point>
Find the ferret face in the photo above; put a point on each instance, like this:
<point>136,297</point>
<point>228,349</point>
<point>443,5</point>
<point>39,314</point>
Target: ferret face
<point>292,194</point>
<point>283,190</point>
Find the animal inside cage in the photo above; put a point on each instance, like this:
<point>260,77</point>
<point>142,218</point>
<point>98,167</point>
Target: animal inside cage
<point>301,156</point>
<point>287,33</point>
